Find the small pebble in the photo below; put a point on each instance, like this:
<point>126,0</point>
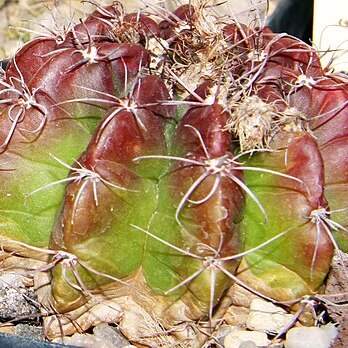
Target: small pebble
<point>112,335</point>
<point>223,331</point>
<point>237,338</point>
<point>30,331</point>
<point>10,279</point>
<point>310,337</point>
<point>248,344</point>
<point>104,336</point>
<point>265,316</point>
<point>17,303</point>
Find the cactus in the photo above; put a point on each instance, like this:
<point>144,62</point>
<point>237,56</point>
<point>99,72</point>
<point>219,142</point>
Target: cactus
<point>166,156</point>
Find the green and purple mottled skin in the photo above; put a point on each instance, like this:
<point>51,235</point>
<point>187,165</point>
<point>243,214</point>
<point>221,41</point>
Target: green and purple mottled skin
<point>100,221</point>
<point>325,105</point>
<point>103,219</point>
<point>55,127</point>
<point>27,164</point>
<point>212,227</point>
<point>302,256</point>
<point>155,202</point>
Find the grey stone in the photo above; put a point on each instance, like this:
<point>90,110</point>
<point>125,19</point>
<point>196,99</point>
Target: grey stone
<point>11,279</point>
<point>223,331</point>
<point>17,302</point>
<point>113,335</point>
<point>104,336</point>
<point>29,331</point>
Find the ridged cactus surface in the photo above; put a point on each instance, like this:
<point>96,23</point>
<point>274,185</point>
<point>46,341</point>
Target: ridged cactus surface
<point>166,155</point>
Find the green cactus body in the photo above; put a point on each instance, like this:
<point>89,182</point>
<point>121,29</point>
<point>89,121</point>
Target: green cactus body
<point>142,235</point>
<point>100,207</point>
<point>301,256</point>
<point>41,140</point>
<point>164,159</point>
<point>28,216</point>
<point>325,104</point>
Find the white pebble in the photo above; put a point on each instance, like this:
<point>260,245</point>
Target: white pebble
<point>236,338</point>
<point>309,337</point>
<point>265,316</point>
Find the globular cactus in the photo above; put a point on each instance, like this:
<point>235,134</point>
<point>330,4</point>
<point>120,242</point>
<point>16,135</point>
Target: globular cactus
<point>164,156</point>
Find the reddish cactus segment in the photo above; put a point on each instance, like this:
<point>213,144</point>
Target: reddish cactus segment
<point>81,79</point>
<point>108,175</point>
<point>101,68</point>
<point>112,24</point>
<point>135,130</point>
<point>96,27</point>
<point>170,27</point>
<point>101,202</point>
<point>37,52</point>
<point>201,203</point>
<point>283,62</point>
<point>131,130</point>
<point>208,121</point>
<point>200,138</point>
<point>106,187</point>
<point>291,53</point>
<point>292,207</point>
<point>325,104</point>
<point>152,94</point>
